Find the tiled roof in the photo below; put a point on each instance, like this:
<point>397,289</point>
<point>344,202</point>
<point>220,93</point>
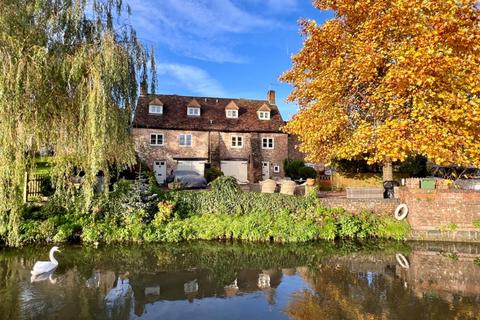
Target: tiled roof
<point>212,118</point>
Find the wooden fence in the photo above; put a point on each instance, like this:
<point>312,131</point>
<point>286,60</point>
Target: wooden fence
<point>33,186</point>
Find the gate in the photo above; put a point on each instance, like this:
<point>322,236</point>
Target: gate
<point>33,186</point>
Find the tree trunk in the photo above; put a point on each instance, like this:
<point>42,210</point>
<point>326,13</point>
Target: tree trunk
<point>387,170</point>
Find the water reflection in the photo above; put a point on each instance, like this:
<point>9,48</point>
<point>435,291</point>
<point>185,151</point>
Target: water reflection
<point>246,281</point>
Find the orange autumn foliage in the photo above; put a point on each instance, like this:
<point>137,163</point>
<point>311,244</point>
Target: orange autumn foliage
<point>386,79</point>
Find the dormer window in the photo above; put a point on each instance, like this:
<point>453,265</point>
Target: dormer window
<point>232,114</point>
<point>264,115</point>
<point>193,108</point>
<point>155,109</point>
<point>155,106</point>
<point>264,112</point>
<point>231,110</point>
<point>194,112</point>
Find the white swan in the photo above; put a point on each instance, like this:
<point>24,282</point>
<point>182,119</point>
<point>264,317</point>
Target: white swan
<point>46,266</point>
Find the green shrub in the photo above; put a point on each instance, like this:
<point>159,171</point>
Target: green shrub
<point>165,212</point>
<point>292,167</point>
<point>307,172</point>
<point>390,228</point>
<point>213,173</point>
<point>225,185</point>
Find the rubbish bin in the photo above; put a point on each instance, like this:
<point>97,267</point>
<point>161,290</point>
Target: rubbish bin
<point>427,184</point>
<point>388,192</point>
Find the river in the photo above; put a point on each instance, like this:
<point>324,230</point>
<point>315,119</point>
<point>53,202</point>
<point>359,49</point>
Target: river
<point>216,280</point>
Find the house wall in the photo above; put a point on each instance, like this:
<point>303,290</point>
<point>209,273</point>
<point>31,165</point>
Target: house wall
<point>214,146</point>
<point>277,155</point>
<point>171,147</point>
<point>293,152</point>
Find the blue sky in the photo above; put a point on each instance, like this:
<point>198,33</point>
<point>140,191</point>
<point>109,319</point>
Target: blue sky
<point>223,48</point>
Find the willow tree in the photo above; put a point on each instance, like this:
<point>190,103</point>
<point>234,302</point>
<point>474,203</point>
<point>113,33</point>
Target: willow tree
<point>68,81</point>
<point>385,79</point>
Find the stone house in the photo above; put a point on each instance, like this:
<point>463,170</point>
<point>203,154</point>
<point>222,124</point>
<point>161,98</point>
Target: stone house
<point>241,137</point>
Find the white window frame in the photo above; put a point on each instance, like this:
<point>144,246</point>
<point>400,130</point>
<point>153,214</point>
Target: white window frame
<point>268,144</point>
<point>231,114</point>
<point>193,112</point>
<point>156,144</point>
<point>155,109</point>
<point>185,135</point>
<point>264,115</point>
<point>234,142</point>
<point>276,168</point>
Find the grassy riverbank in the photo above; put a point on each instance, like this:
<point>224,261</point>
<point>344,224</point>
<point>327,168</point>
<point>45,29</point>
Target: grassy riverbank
<point>136,212</point>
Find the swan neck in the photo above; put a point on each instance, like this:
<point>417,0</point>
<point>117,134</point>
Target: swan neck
<point>52,258</point>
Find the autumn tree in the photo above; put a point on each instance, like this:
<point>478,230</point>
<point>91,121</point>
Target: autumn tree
<point>385,79</point>
<point>68,81</point>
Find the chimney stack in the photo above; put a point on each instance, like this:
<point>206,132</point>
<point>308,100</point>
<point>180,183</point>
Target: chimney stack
<point>143,89</point>
<point>271,96</point>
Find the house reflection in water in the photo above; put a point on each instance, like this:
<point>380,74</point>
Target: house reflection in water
<point>177,286</point>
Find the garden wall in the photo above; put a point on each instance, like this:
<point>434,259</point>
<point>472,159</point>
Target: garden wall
<point>442,214</point>
<point>378,206</point>
<point>360,180</point>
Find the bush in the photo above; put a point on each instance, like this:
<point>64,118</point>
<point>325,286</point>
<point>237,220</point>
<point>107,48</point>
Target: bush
<point>213,173</point>
<point>223,213</point>
<point>291,168</point>
<point>307,172</point>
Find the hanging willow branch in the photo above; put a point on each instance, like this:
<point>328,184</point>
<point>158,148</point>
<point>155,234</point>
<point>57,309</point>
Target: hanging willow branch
<point>68,80</point>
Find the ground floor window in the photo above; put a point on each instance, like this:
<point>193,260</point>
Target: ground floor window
<point>276,168</point>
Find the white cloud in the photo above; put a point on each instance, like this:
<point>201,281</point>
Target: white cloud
<point>201,29</point>
<point>197,80</point>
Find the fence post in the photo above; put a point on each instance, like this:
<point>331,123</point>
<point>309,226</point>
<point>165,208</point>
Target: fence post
<point>25,188</point>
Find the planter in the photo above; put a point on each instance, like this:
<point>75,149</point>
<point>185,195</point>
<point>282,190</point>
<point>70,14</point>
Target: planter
<point>310,182</point>
<point>288,187</point>
<point>268,186</point>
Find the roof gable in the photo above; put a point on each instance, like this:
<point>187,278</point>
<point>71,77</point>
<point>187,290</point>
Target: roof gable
<point>194,104</point>
<point>264,107</point>
<point>232,106</point>
<point>156,101</point>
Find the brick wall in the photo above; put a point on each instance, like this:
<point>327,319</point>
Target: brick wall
<point>442,214</point>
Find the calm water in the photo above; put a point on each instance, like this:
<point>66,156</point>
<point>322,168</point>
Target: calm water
<point>245,281</point>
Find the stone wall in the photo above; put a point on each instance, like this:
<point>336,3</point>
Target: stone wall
<point>378,206</point>
<point>170,149</point>
<point>214,147</point>
<point>277,155</point>
<point>293,152</point>
<point>442,214</point>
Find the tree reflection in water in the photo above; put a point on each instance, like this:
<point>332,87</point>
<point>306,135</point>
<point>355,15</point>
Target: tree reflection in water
<point>435,286</point>
<point>244,281</point>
